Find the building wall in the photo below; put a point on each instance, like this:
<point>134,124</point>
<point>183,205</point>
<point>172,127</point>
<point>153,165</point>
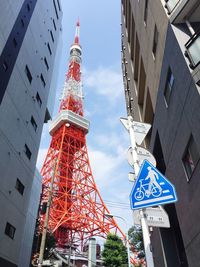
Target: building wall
<point>174,139</point>
<point>175,123</point>
<point>31,217</point>
<point>142,67</point>
<point>8,10</point>
<point>22,113</point>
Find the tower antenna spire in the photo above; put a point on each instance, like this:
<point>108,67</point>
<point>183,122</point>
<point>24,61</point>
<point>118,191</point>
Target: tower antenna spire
<point>77,33</point>
<point>72,94</point>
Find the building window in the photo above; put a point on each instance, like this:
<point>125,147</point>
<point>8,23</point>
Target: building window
<point>14,42</point>
<point>5,66</point>
<point>46,63</point>
<point>56,11</point>
<point>22,22</point>
<point>132,38</point>
<point>49,48</point>
<point>168,86</point>
<point>42,80</point>
<point>19,186</point>
<point>28,7</point>
<point>136,58</point>
<point>190,157</point>
<point>52,36</point>
<point>141,86</point>
<point>145,11</point>
<point>54,24</point>
<point>34,124</point>
<point>155,41</point>
<point>59,5</point>
<point>28,74</point>
<point>10,230</point>
<point>38,99</point>
<point>27,151</point>
<point>148,116</point>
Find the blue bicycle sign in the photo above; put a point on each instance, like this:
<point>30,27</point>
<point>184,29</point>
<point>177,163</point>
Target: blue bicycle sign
<point>151,188</point>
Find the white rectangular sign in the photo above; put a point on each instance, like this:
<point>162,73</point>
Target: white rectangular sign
<point>156,217</point>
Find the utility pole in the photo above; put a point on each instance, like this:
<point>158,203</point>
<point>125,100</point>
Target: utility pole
<point>145,229</point>
<point>45,227</point>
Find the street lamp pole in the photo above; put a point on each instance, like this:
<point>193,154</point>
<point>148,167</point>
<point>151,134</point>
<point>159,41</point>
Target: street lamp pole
<point>126,234</point>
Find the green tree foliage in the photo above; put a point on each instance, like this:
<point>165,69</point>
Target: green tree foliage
<point>114,253</point>
<point>136,239</point>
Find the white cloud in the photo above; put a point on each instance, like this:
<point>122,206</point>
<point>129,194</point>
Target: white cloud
<point>87,113</point>
<point>112,141</point>
<point>111,179</point>
<point>41,157</point>
<point>103,165</point>
<point>104,81</point>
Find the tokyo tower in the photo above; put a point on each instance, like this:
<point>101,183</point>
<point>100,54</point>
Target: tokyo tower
<point>77,211</point>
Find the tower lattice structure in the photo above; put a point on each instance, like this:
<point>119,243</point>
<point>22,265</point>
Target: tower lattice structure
<point>77,211</point>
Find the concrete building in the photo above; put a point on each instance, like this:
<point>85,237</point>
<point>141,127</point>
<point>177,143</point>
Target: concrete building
<point>161,69</point>
<point>29,35</point>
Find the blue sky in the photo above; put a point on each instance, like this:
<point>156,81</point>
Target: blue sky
<point>104,102</point>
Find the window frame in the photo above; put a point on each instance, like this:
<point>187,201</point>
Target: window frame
<point>28,74</point>
<point>145,11</point>
<point>155,41</point>
<point>46,63</point>
<point>27,151</point>
<point>14,42</point>
<point>59,7</point>
<point>189,170</point>
<point>33,123</point>
<point>49,48</point>
<point>10,230</point>
<point>28,7</point>
<point>55,8</point>
<point>42,80</point>
<point>5,66</point>
<point>19,186</point>
<point>169,85</point>
<point>39,100</point>
<point>54,24</point>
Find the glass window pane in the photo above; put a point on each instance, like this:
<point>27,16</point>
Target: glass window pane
<point>191,157</point>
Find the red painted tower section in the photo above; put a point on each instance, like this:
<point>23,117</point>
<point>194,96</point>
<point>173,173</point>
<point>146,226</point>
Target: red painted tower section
<point>77,211</point>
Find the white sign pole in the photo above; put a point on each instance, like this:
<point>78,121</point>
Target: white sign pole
<point>145,229</point>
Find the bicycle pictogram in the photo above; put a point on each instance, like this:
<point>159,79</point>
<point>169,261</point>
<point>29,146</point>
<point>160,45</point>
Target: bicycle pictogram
<point>142,191</point>
<point>151,188</point>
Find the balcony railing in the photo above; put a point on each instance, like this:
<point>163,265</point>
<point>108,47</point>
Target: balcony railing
<point>171,4</point>
<point>193,50</point>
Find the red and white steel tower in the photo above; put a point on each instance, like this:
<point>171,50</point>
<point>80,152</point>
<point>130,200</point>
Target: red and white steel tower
<point>77,211</point>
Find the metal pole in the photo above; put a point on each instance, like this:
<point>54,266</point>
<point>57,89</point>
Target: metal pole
<point>92,253</point>
<point>145,229</point>
<point>128,250</point>
<point>44,233</point>
<point>69,255</point>
<point>74,258</point>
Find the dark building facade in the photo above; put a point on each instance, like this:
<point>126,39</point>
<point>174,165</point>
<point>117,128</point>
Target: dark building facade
<point>29,35</point>
<point>161,69</point>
